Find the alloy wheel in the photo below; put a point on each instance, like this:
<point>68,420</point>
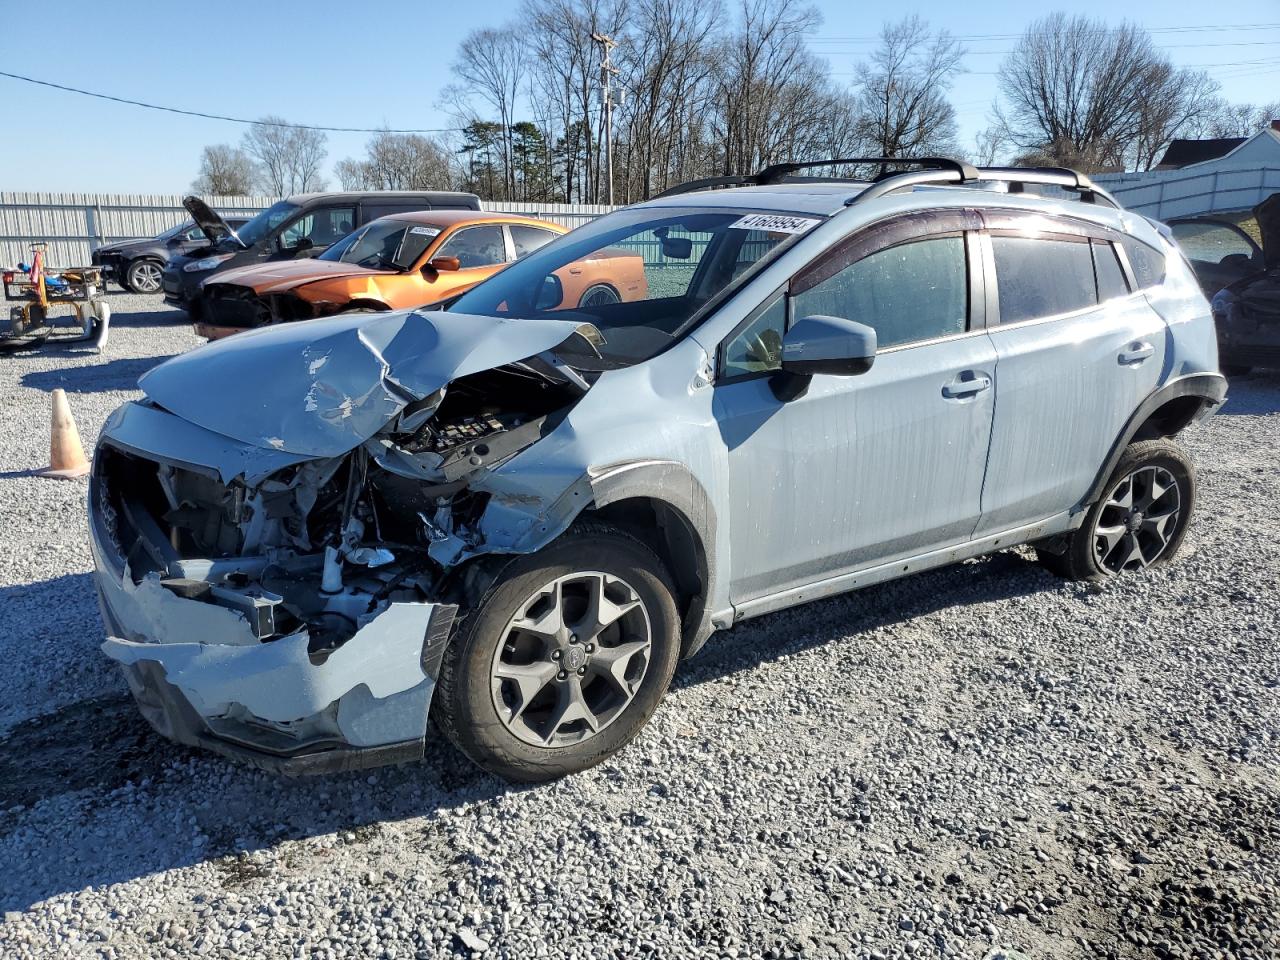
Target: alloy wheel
<point>571,659</point>
<point>1138,520</point>
<point>144,277</point>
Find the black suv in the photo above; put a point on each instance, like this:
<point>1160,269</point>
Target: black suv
<point>301,226</point>
<point>137,264</point>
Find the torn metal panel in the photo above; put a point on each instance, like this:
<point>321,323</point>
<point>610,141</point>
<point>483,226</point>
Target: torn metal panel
<point>158,434</point>
<point>277,680</point>
<point>326,386</point>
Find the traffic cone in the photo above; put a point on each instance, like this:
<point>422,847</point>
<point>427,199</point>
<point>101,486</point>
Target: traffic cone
<point>66,455</point>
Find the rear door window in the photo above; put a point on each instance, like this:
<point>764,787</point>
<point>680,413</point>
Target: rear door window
<point>1042,277</point>
<point>528,239</point>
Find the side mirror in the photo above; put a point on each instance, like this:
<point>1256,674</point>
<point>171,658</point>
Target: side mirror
<point>830,345</point>
<point>550,294</point>
<point>442,264</point>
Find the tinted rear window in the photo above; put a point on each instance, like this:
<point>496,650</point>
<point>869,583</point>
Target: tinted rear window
<point>1042,277</point>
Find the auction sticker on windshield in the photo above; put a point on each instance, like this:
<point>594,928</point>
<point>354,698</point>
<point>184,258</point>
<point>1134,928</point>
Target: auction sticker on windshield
<point>773,223</point>
<point>424,231</point>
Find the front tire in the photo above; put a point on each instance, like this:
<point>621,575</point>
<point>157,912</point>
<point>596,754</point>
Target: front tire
<point>1140,520</point>
<point>560,657</point>
<point>143,276</point>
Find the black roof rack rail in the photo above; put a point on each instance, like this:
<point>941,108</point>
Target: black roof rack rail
<point>782,172</point>
<point>779,172</point>
<point>935,170</point>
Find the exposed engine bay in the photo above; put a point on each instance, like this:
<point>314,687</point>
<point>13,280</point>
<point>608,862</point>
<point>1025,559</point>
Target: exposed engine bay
<point>325,543</point>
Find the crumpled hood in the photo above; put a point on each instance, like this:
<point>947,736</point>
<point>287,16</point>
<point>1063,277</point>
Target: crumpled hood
<point>263,278</point>
<point>322,387</point>
<point>1267,213</point>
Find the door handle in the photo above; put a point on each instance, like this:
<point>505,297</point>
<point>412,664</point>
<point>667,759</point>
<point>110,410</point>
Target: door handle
<point>966,385</point>
<point>1136,352</point>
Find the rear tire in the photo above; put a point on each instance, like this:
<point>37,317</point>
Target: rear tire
<point>534,684</point>
<point>1235,370</point>
<point>1139,521</point>
<point>599,295</point>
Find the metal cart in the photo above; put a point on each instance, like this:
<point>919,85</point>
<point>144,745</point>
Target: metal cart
<point>39,290</point>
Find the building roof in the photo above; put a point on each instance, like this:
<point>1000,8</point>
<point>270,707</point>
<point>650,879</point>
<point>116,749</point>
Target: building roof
<point>1182,153</point>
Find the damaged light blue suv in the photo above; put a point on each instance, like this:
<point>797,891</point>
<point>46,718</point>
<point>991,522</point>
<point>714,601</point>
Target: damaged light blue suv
<point>516,515</point>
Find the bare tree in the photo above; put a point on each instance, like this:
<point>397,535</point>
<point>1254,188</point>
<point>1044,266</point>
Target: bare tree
<point>566,68</point>
<point>665,70</point>
<point>1225,119</point>
<point>225,171</point>
<point>491,65</point>
<point>406,161</point>
<point>288,158</point>
<point>1075,89</point>
<point>771,94</point>
<point>988,145</point>
<point>352,174</point>
<point>902,91</point>
<point>1177,102</point>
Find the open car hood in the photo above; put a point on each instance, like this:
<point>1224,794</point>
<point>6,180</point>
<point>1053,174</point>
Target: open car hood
<point>323,387</point>
<point>1267,214</point>
<point>214,227</point>
<point>264,278</point>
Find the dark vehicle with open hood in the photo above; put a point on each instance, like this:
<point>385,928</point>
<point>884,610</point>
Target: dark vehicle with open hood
<point>301,226</point>
<point>1241,278</point>
<point>137,265</point>
<point>517,514</point>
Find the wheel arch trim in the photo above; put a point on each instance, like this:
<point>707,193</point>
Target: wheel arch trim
<point>1210,389</point>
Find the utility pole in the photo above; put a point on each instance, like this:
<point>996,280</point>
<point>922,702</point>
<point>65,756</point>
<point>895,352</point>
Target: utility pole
<point>607,72</point>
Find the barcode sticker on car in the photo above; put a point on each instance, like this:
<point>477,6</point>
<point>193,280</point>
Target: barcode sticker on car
<point>774,223</point>
<point>424,231</point>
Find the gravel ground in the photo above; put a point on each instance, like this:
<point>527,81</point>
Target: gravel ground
<point>979,761</point>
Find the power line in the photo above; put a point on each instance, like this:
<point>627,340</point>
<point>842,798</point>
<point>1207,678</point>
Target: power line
<point>1018,36</point>
<point>217,116</point>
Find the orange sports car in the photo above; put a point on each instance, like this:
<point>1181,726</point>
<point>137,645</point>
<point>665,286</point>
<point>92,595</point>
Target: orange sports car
<point>406,260</point>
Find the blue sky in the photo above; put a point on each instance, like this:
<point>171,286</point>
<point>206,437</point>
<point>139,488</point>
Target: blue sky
<point>373,64</point>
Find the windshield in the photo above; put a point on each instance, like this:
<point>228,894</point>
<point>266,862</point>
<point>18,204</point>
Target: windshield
<point>642,276</point>
<point>261,225</point>
<point>384,245</point>
<point>174,231</point>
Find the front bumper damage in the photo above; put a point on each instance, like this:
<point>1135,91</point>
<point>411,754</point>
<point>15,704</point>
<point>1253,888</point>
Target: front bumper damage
<point>282,597</point>
<point>199,644</point>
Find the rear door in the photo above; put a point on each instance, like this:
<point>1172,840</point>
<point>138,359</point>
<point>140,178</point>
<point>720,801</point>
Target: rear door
<point>1078,348</point>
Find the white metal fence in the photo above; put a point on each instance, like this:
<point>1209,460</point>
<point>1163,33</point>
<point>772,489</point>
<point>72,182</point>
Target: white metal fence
<point>76,224</point>
<point>1165,194</point>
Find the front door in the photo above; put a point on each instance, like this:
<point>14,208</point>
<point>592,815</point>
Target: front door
<point>864,469</point>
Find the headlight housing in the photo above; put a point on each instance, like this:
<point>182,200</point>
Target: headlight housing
<point>208,263</point>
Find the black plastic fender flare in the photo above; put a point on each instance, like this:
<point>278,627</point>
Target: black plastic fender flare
<point>1210,388</point>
